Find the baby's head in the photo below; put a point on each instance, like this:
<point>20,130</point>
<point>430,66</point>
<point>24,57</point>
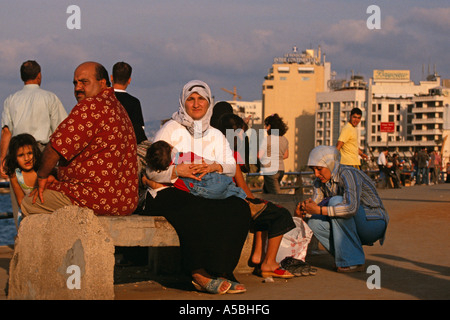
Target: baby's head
<point>159,156</point>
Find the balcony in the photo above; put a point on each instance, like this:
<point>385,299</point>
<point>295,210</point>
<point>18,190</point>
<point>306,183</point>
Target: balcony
<point>428,110</point>
<point>427,132</point>
<point>428,121</point>
<point>378,144</point>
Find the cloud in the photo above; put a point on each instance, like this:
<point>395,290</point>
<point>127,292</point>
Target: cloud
<point>223,53</point>
<point>434,20</point>
<point>406,40</point>
<point>52,52</point>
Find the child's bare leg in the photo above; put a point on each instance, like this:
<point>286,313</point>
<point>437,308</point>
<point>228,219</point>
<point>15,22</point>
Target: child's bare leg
<point>269,263</point>
<point>257,255</point>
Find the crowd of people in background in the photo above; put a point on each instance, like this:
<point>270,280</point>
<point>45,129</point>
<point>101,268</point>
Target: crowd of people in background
<point>425,167</point>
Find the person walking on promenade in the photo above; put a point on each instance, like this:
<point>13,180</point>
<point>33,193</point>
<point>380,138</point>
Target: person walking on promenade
<point>273,150</point>
<point>422,163</point>
<point>415,167</point>
<point>345,211</point>
<point>121,79</point>
<point>96,150</point>
<point>384,168</point>
<point>31,110</point>
<point>435,166</point>
<point>348,141</point>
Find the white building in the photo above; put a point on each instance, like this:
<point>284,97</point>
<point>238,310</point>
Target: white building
<point>419,112</point>
<point>390,98</point>
<point>333,111</point>
<point>252,109</point>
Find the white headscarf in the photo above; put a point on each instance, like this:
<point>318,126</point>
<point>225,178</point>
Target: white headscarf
<point>196,128</point>
<point>327,157</point>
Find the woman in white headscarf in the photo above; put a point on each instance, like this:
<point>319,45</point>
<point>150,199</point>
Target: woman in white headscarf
<point>212,232</point>
<point>345,212</point>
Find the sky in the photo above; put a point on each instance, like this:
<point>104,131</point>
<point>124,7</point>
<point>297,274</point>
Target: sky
<point>224,43</point>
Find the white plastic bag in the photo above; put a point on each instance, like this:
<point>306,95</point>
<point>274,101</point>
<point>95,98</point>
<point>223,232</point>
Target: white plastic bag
<point>295,243</point>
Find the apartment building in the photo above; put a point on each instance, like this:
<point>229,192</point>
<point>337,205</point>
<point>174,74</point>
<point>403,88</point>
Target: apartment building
<point>251,110</point>
<point>419,112</point>
<point>390,98</point>
<point>333,110</point>
<point>290,89</point>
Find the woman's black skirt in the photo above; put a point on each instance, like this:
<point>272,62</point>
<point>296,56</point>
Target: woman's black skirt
<point>211,232</point>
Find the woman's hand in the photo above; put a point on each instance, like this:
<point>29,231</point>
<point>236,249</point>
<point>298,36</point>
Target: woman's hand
<point>196,170</point>
<point>307,208</point>
<point>185,170</point>
<point>204,168</point>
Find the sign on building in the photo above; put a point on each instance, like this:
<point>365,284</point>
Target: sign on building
<point>389,75</point>
<point>387,127</point>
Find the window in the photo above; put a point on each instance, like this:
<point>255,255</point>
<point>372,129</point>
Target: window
<point>306,70</point>
<point>283,69</point>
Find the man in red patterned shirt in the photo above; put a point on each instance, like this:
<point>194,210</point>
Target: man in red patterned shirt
<point>96,150</point>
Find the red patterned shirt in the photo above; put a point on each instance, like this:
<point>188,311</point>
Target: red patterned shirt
<point>98,142</point>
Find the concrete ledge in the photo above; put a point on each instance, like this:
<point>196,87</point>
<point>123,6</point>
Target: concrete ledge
<point>140,231</point>
<point>156,232</point>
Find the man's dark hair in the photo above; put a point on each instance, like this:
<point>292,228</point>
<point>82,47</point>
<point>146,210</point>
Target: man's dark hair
<point>356,111</point>
<point>121,72</point>
<point>159,156</point>
<point>101,73</point>
<point>29,70</point>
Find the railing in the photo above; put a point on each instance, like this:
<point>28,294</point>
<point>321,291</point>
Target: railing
<point>299,184</point>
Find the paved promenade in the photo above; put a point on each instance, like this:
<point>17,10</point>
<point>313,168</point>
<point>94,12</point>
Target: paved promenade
<point>414,262</point>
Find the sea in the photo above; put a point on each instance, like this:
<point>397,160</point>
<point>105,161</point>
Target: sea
<point>7,226</point>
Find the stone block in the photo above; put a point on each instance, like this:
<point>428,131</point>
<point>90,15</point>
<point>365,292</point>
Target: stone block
<point>66,255</point>
<point>140,231</point>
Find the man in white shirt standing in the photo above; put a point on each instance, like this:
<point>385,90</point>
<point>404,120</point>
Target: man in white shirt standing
<point>383,166</point>
<point>31,110</point>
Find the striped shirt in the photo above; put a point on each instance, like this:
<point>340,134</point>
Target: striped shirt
<point>357,189</point>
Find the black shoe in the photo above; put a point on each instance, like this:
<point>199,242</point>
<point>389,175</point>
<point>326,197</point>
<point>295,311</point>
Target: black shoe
<point>297,267</point>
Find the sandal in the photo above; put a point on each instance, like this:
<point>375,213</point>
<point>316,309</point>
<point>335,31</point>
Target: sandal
<point>233,289</point>
<point>277,273</point>
<point>298,267</point>
<point>213,286</point>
